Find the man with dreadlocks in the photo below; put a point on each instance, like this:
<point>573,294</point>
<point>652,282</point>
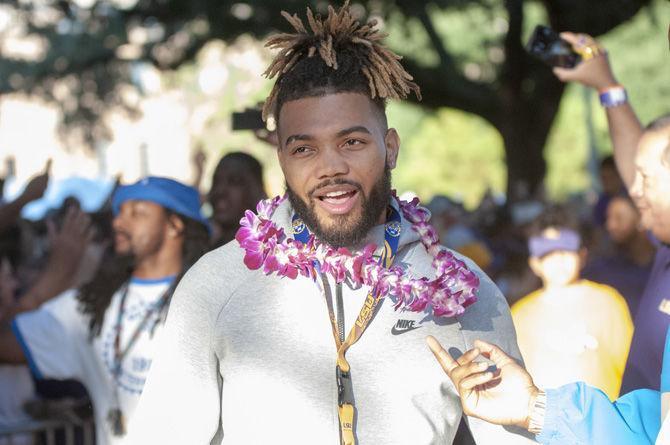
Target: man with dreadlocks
<point>104,334</point>
<point>248,358</point>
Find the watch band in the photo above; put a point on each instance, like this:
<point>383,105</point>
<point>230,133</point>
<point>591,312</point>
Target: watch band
<point>613,96</point>
<point>538,412</point>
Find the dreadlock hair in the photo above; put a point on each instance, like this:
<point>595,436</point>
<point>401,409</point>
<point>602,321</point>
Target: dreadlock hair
<point>95,296</point>
<point>335,55</point>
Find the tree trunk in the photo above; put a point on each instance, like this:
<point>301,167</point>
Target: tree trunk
<point>524,123</point>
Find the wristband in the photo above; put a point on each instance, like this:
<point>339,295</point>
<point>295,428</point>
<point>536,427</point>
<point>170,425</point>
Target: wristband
<point>536,418</point>
<point>613,96</point>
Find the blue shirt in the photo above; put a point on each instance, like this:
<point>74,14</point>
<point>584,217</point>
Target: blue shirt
<point>643,368</point>
<point>579,414</point>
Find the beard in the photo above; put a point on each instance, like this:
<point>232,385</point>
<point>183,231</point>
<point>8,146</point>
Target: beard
<point>345,230</point>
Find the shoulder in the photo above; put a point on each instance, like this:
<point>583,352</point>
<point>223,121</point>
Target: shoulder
<point>607,294</point>
<point>58,316</point>
<point>491,303</point>
<point>215,277</point>
<point>489,298</point>
<point>526,304</point>
<point>601,289</point>
<point>64,306</point>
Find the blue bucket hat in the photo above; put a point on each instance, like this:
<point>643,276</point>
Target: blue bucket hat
<point>173,195</point>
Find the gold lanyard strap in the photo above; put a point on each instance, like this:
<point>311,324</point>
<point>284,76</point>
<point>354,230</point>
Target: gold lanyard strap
<point>345,396</point>
<point>345,406</point>
<point>346,415</point>
<point>346,410</point>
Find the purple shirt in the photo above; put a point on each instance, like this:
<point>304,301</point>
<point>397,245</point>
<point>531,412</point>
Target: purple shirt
<point>643,369</point>
<point>622,274</point>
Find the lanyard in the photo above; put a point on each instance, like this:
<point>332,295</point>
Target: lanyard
<point>120,355</point>
<point>345,396</point>
<point>115,415</point>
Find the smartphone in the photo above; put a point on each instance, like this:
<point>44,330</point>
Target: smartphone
<point>547,45</point>
<point>249,119</point>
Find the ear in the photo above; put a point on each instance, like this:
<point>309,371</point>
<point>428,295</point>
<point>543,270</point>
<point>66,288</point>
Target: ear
<point>392,142</point>
<point>175,226</point>
<point>583,257</point>
<point>535,266</point>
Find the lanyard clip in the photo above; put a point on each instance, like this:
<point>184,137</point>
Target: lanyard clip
<point>345,390</point>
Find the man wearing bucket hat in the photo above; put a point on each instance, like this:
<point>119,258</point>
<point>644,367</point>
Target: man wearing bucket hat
<point>104,333</point>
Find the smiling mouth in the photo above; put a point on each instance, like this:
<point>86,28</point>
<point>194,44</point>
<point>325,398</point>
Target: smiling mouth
<point>337,202</point>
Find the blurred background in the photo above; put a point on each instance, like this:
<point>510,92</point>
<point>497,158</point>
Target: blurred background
<point>129,88</point>
<point>98,92</point>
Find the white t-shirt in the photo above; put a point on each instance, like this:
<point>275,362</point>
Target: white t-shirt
<point>55,339</point>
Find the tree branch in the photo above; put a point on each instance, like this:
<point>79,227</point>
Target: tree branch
<point>446,84</point>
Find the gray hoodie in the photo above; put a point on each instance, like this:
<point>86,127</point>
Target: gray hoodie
<point>250,359</point>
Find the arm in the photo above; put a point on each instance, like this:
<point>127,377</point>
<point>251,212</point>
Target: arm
<point>68,246</point>
<point>624,127</point>
<point>180,402</point>
<point>574,413</point>
<point>490,320</point>
<point>11,352</point>
<point>577,413</point>
<point>48,339</point>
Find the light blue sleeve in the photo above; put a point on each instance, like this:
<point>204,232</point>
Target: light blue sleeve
<point>579,414</point>
<point>665,370</point>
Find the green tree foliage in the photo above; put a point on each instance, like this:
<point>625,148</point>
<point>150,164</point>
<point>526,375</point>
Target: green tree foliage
<point>466,54</point>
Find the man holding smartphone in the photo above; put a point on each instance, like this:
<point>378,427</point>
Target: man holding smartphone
<point>653,317</point>
<point>576,413</point>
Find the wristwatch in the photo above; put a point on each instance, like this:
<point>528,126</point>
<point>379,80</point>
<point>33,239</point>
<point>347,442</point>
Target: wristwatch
<point>613,96</point>
<point>537,412</point>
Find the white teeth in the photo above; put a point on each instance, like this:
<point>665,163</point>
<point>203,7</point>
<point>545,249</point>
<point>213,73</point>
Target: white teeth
<point>335,194</point>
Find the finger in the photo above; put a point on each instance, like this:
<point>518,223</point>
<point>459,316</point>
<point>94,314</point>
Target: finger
<point>563,74</point>
<point>90,234</point>
<point>86,226</point>
<point>52,231</point>
<point>468,357</point>
<point>493,353</point>
<point>442,356</point>
<point>570,37</point>
<point>475,380</point>
<point>82,221</point>
<point>70,217</point>
<point>465,371</point>
<point>47,167</point>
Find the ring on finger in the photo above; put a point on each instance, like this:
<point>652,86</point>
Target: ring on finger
<point>590,51</point>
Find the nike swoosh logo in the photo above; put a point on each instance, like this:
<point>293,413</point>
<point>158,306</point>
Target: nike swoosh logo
<point>396,331</point>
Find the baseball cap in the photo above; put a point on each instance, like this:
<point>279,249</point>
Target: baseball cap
<point>560,239</point>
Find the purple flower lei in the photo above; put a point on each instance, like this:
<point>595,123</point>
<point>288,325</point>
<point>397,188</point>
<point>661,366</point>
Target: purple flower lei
<point>268,247</point>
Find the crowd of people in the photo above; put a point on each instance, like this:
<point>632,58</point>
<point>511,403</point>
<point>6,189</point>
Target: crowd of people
<point>177,326</point>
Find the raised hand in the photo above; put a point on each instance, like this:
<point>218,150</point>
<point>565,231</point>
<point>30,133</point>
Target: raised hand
<point>70,242</point>
<point>503,396</point>
<point>594,70</point>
